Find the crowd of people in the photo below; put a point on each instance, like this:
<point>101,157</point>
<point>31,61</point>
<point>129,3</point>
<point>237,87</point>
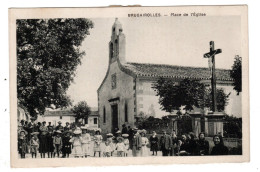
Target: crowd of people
<point>75,141</point>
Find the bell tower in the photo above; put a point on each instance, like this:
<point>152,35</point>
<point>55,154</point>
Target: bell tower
<point>117,43</point>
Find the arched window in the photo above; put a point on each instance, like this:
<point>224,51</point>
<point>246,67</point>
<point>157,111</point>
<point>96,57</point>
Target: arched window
<point>104,115</point>
<point>116,47</point>
<point>111,50</point>
<point>126,113</point>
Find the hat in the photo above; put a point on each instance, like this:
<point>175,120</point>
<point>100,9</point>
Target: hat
<point>143,131</point>
<point>118,131</point>
<point>25,132</point>
<point>34,133</point>
<point>77,132</point>
<point>32,118</point>
<point>66,132</point>
<point>84,128</point>
<point>59,122</point>
<point>120,138</point>
<point>110,135</point>
<point>135,128</point>
<point>44,122</point>
<point>125,135</point>
<point>58,131</point>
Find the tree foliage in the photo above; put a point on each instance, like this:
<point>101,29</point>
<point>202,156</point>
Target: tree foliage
<point>188,93</point>
<point>81,110</point>
<point>236,74</point>
<point>48,54</point>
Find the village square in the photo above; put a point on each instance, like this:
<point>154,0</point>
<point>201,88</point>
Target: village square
<point>133,108</point>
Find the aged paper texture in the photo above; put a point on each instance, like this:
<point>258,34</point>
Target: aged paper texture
<point>127,50</point>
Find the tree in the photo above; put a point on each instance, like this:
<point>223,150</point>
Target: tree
<point>81,110</point>
<point>236,74</point>
<point>48,53</point>
<point>188,93</point>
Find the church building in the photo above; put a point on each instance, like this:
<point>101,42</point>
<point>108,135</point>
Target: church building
<point>126,91</point>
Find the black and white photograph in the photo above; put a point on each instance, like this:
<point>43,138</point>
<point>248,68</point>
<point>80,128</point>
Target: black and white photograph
<point>146,83</point>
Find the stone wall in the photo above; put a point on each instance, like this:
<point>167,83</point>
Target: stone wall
<point>124,91</point>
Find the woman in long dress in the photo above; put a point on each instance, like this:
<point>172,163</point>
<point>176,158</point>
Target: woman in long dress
<point>85,141</point>
<point>97,143</point>
<point>76,141</point>
<point>145,142</point>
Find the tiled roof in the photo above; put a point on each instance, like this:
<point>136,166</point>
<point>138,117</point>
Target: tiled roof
<point>172,71</point>
<point>66,112</point>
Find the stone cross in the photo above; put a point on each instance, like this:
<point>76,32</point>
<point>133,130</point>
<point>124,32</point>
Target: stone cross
<point>211,55</point>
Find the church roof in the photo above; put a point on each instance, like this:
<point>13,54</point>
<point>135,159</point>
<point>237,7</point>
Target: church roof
<point>173,71</point>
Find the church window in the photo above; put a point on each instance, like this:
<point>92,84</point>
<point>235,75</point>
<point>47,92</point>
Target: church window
<point>111,50</point>
<point>126,113</point>
<point>104,115</point>
<point>116,47</point>
<point>95,120</point>
<point>113,81</point>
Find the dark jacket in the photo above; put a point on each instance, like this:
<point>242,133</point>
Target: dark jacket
<point>203,147</point>
<point>219,149</point>
<point>137,141</point>
<point>165,142</point>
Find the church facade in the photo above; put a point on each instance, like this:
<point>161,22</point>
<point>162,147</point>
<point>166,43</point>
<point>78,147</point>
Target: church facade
<point>126,91</point>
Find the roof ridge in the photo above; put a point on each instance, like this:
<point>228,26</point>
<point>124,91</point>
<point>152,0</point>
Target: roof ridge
<point>193,67</point>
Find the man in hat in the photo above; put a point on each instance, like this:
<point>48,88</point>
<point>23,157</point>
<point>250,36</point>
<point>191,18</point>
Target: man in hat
<point>43,139</point>
<point>130,137</point>
<point>57,143</point>
<point>165,143</point>
<point>33,126</point>
<point>137,143</point>
<point>49,126</point>
<point>59,127</point>
<point>124,129</point>
<point>67,127</point>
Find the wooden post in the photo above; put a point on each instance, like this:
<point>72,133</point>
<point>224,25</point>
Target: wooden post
<point>211,55</point>
<point>213,79</point>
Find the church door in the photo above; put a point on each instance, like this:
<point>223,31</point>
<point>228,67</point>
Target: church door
<point>114,109</point>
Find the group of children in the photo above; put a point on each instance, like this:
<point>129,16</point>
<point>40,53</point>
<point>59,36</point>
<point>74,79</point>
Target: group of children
<point>68,143</point>
<point>120,144</point>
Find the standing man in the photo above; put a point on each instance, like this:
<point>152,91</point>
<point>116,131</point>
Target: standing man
<point>137,144</point>
<point>59,127</point>
<point>131,135</point>
<point>67,128</point>
<point>165,144</point>
<point>124,129</point>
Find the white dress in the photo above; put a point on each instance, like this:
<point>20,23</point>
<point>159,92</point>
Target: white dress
<point>126,142</point>
<point>97,143</point>
<point>144,149</point>
<point>85,143</point>
<point>77,149</point>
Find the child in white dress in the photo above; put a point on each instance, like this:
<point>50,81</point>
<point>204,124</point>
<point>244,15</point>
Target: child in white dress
<point>97,143</point>
<point>120,147</point>
<point>77,143</point>
<point>85,142</point>
<point>126,142</point>
<point>107,151</point>
<point>111,143</point>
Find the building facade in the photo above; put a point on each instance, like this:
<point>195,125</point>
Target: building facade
<point>126,91</point>
<point>66,115</point>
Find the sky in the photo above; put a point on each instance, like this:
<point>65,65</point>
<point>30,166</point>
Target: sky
<point>164,40</point>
